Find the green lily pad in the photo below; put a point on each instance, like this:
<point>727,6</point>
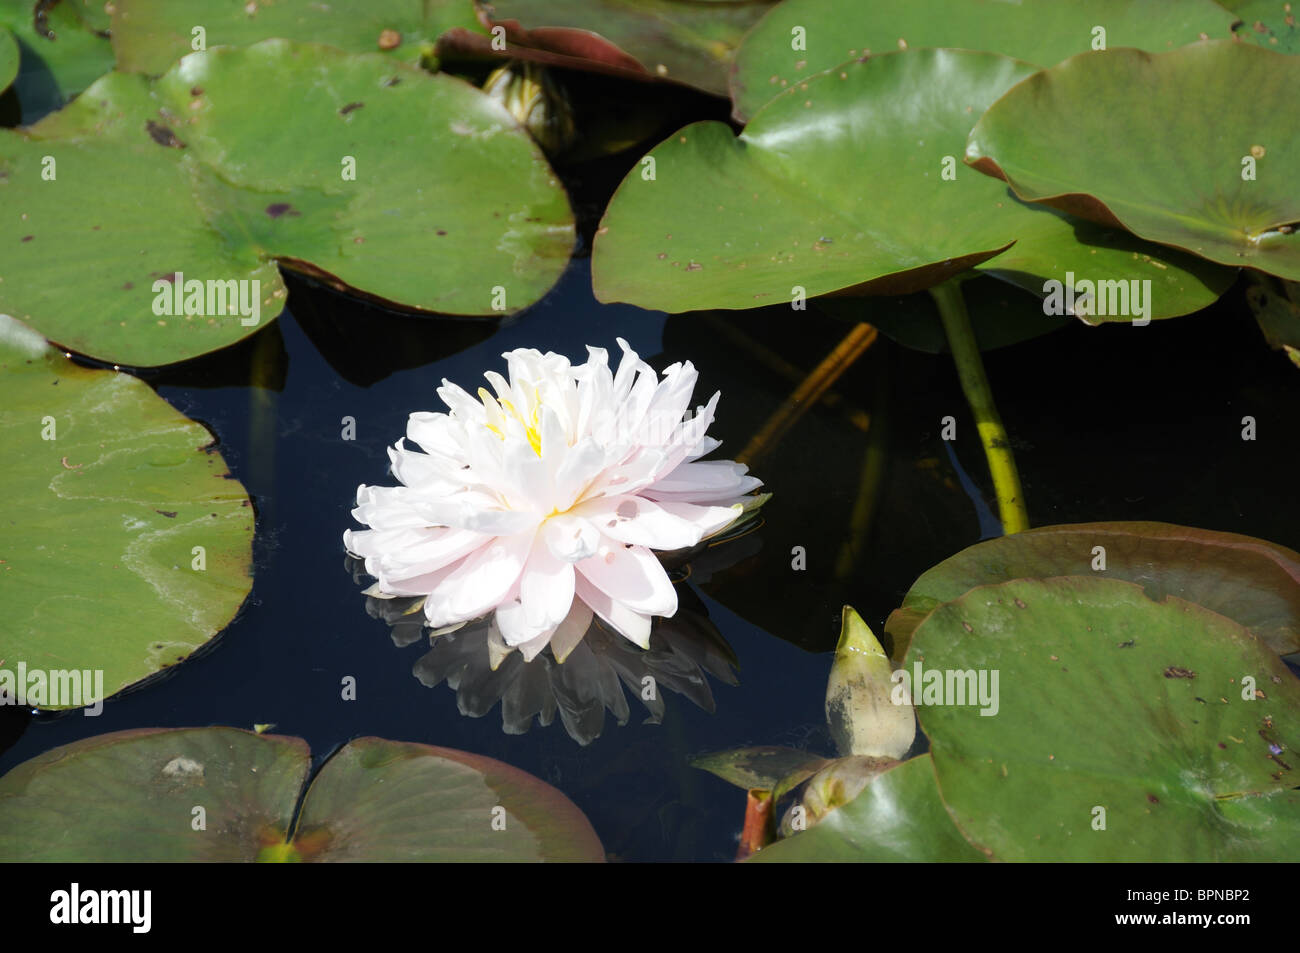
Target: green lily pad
<point>1253,582</point>
<point>386,800</point>
<point>453,209</point>
<point>97,15</point>
<point>110,491</point>
<point>1036,31</point>
<point>60,53</point>
<point>683,41</point>
<point>898,817</point>
<point>840,184</point>
<point>765,766</point>
<point>1269,23</point>
<point>8,58</point>
<point>1176,182</point>
<point>134,795</point>
<point>150,35</point>
<point>1276,306</point>
<point>1123,727</point>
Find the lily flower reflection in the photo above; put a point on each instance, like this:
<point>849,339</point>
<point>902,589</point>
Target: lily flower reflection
<point>582,684</point>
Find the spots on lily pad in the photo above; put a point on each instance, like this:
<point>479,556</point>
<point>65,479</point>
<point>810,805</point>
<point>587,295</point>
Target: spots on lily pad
<point>1177,671</point>
<point>277,209</point>
<point>183,769</point>
<point>390,40</point>
<point>344,110</point>
<point>41,19</point>
<point>162,135</point>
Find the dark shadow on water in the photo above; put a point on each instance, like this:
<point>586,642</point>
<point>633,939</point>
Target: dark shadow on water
<point>365,342</point>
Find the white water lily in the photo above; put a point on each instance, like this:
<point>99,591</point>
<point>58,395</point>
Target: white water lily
<point>542,504</point>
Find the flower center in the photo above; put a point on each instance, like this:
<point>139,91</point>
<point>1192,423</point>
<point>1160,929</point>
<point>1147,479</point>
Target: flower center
<point>505,408</point>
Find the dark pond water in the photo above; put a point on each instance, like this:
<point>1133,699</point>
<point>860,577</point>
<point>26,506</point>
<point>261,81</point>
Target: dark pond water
<point>1108,423</point>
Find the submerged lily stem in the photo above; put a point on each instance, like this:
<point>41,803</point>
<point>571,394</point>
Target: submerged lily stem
<point>975,385</point>
<point>810,390</point>
<point>875,467</point>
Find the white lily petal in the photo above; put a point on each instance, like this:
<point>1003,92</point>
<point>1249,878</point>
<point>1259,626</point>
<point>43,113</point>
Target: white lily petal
<point>546,587</point>
<point>435,433</point>
<point>710,481</point>
<point>473,516</point>
<point>538,503</point>
<point>515,628</point>
<point>420,585</point>
<point>631,575</point>
<point>571,538</point>
<point>480,582</point>
<point>534,646</point>
<point>643,522</point>
<point>632,625</point>
<point>462,405</point>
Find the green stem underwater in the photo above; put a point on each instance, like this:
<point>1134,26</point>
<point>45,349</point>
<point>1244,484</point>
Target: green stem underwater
<point>975,385</point>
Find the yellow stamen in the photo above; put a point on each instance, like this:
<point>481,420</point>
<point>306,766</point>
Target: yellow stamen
<point>531,430</point>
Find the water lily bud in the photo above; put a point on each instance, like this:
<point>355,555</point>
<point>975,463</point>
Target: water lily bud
<point>860,706</point>
<point>539,103</point>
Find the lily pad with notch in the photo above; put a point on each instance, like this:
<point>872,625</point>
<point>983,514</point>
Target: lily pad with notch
<point>133,795</point>
<point>178,177</point>
<point>850,183</point>
<point>1222,189</point>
